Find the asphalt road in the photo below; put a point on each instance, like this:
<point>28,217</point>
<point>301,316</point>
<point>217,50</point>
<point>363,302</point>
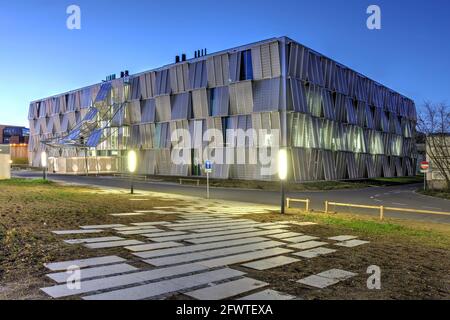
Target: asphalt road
<point>398,196</point>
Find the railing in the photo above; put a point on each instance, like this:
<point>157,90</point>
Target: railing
<point>190,180</point>
<point>382,209</point>
<point>128,176</point>
<point>305,201</point>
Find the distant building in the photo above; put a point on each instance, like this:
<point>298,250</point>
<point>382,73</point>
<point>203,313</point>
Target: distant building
<point>5,162</point>
<point>17,139</point>
<point>435,176</point>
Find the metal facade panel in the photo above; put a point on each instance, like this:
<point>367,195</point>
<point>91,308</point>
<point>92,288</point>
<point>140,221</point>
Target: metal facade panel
<point>241,98</point>
<point>179,78</point>
<point>147,85</point>
<point>266,95</point>
<point>297,96</point>
<point>162,82</point>
<point>220,101</point>
<point>200,103</point>
<point>134,112</point>
<point>218,68</point>
<point>198,76</point>
<point>148,110</point>
<point>181,106</point>
<point>235,66</point>
<point>163,108</point>
<point>298,61</point>
<point>315,70</point>
<point>266,61</point>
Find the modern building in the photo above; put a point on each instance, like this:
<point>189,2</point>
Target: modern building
<point>17,139</point>
<point>336,123</point>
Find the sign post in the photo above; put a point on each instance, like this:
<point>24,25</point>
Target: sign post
<point>425,168</point>
<point>208,170</point>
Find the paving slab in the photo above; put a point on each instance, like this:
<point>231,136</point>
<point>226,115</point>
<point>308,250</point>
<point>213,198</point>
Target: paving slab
<point>112,282</point>
<point>90,240</point>
<point>225,228</point>
<point>198,247</point>
<point>313,253</point>
<point>137,228</point>
<point>337,274</point>
<point>130,214</point>
<point>317,281</point>
<point>150,223</point>
<point>286,235</point>
<point>210,254</point>
<point>154,246</point>
<point>200,235</point>
<point>244,257</point>
<point>268,294</point>
<point>307,245</point>
<point>269,227</point>
<point>94,272</point>
<point>112,244</point>
<point>270,263</point>
<point>342,238</point>
<point>240,235</point>
<point>303,238</point>
<point>103,226</point>
<point>82,263</point>
<point>227,289</point>
<point>167,286</point>
<point>199,219</point>
<point>351,243</point>
<point>69,232</point>
<point>154,233</point>
<point>215,224</point>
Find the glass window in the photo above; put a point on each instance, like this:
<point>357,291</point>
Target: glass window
<point>246,65</point>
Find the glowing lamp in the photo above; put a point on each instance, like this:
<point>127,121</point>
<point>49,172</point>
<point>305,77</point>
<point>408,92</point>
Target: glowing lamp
<point>132,161</point>
<point>44,159</point>
<point>282,164</point>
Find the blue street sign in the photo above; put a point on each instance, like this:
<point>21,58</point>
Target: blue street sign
<point>208,165</point>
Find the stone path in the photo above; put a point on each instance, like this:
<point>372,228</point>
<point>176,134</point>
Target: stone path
<point>327,278</point>
<point>193,255</point>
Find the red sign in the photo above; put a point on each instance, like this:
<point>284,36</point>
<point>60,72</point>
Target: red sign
<point>425,165</point>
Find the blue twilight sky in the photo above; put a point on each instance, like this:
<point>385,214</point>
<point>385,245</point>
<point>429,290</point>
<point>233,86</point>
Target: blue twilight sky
<point>40,57</point>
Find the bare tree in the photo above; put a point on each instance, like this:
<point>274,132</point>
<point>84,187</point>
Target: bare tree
<point>434,122</point>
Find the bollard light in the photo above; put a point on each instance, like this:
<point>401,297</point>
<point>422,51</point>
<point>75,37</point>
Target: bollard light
<point>44,164</point>
<point>282,174</point>
<point>132,164</point>
<point>282,164</point>
<point>44,159</point>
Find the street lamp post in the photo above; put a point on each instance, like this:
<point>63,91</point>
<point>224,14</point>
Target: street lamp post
<point>282,173</point>
<point>132,162</point>
<point>44,164</point>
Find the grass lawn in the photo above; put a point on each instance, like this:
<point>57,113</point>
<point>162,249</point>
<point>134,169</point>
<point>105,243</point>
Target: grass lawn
<point>445,194</point>
<point>414,257</point>
<point>307,186</point>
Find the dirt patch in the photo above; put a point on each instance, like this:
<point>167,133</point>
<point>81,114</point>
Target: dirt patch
<point>414,260</point>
